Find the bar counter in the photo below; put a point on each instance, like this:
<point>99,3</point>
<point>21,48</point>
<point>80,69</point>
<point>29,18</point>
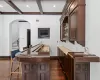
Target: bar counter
<point>35,66</point>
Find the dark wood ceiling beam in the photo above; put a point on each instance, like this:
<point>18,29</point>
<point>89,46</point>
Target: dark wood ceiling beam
<point>1,12</point>
<point>39,6</point>
<point>52,13</point>
<point>33,13</point>
<point>13,6</point>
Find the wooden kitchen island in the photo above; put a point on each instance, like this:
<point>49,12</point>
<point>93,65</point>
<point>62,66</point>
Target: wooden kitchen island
<point>34,66</point>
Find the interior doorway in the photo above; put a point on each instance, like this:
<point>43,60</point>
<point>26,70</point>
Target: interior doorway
<point>28,37</point>
<point>19,29</point>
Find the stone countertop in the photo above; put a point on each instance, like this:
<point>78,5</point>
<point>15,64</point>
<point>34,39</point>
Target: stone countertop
<point>80,56</point>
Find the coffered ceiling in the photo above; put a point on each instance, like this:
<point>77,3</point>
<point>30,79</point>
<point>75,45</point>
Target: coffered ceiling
<point>32,6</point>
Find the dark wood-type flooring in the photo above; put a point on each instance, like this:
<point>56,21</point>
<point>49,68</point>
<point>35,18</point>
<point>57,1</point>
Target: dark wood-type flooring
<point>55,71</point>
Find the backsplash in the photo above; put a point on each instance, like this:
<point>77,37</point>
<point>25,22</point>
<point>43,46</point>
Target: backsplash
<point>74,47</point>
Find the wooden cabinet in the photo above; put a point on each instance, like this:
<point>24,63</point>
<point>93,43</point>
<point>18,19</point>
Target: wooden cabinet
<point>75,12</point>
<point>75,65</point>
<point>73,26</point>
<point>67,64</point>
<point>65,29</point>
<point>36,71</point>
<point>82,71</point>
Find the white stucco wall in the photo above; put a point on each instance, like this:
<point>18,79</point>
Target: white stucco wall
<point>1,30</point>
<point>92,34</point>
<point>45,21</point>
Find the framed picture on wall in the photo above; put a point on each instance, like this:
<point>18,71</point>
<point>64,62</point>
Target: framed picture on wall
<point>44,33</point>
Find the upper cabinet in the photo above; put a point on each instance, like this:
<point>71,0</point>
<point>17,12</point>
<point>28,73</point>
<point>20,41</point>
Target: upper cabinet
<point>64,29</point>
<point>73,17</point>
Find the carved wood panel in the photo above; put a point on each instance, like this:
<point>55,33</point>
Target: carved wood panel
<point>35,71</point>
<point>82,71</point>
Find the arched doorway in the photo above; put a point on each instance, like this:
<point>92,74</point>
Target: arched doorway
<point>19,33</point>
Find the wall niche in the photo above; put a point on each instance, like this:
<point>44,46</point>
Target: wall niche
<point>65,30</point>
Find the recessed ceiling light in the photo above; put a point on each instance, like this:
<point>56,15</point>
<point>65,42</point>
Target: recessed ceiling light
<point>1,6</point>
<point>28,6</point>
<point>54,5</point>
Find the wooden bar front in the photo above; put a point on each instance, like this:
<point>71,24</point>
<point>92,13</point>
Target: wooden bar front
<point>76,65</point>
<point>34,66</point>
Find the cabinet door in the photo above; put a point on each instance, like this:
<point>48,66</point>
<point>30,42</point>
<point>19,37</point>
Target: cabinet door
<point>73,26</point>
<point>43,71</point>
<point>81,25</point>
<point>35,71</point>
<point>30,76</point>
<point>82,71</point>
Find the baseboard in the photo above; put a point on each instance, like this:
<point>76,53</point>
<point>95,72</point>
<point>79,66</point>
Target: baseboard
<point>54,57</point>
<point>4,57</point>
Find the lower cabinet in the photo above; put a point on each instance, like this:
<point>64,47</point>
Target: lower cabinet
<point>82,71</point>
<point>35,71</point>
<point>72,69</point>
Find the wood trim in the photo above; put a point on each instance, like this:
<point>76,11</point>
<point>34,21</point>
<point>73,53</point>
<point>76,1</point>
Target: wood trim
<point>53,57</point>
<point>13,6</point>
<point>32,13</point>
<point>39,6</point>
<point>4,57</point>
<point>87,59</point>
<point>34,59</point>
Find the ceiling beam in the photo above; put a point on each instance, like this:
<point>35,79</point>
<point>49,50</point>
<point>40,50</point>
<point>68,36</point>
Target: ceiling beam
<point>1,12</point>
<point>13,6</point>
<point>32,13</point>
<point>39,6</point>
<point>52,13</point>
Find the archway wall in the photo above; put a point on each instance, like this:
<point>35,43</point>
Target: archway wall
<point>18,31</point>
<point>14,30</point>
<point>45,21</point>
<point>13,33</point>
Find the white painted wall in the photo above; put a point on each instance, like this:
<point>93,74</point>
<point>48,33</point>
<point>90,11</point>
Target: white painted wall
<point>23,26</point>
<point>14,31</point>
<point>13,35</point>
<point>18,30</point>
<point>92,34</point>
<point>1,26</point>
<point>51,21</point>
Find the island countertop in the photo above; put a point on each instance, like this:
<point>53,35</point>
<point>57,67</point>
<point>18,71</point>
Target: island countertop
<point>30,56</point>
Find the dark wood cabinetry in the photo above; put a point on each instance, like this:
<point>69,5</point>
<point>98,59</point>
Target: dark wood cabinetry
<point>73,26</point>
<point>65,29</point>
<point>76,65</point>
<point>75,12</point>
<point>35,63</point>
<point>36,71</point>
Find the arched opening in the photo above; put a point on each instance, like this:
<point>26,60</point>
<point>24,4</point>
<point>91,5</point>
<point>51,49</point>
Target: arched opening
<point>19,35</point>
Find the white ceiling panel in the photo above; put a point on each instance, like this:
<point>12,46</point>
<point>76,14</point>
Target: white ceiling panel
<point>26,5</point>
<point>4,7</point>
<point>53,5</point>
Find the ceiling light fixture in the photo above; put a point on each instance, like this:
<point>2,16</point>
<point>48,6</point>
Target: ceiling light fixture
<point>54,5</point>
<point>28,6</point>
<point>1,6</point>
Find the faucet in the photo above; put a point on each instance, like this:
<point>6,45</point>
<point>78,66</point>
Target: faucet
<point>86,50</point>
